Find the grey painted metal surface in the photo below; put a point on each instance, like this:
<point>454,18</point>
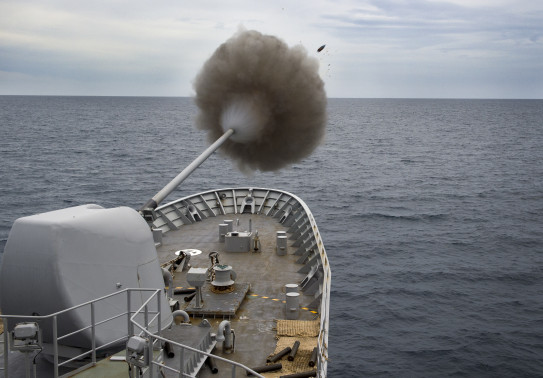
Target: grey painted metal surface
<point>265,271</point>
<point>62,258</point>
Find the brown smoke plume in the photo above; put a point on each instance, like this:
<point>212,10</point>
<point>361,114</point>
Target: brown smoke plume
<point>270,94</point>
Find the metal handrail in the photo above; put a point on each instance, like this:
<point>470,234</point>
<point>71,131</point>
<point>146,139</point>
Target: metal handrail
<point>56,338</point>
<point>154,337</point>
<point>326,288</point>
<point>325,301</point>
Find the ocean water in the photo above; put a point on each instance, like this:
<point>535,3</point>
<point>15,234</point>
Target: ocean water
<point>431,213</point>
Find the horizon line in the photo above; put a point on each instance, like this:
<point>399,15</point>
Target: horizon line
<point>329,98</point>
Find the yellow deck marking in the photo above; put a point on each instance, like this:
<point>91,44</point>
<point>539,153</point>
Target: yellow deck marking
<point>279,300</point>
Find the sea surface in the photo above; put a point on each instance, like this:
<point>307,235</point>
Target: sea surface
<point>431,212</point>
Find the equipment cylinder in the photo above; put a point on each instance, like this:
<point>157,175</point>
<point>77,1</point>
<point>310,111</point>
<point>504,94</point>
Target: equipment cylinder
<point>292,306</point>
<point>212,366</point>
<point>305,374</point>
<point>223,229</point>
<point>281,245</point>
<point>169,350</point>
<point>183,291</point>
<point>279,355</point>
<point>291,288</point>
<point>157,235</point>
<point>265,368</point>
<point>313,359</point>
<point>294,350</point>
<point>189,298</point>
<point>230,224</point>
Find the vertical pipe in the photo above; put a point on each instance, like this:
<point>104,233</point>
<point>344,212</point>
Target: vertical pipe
<point>233,371</point>
<point>93,330</point>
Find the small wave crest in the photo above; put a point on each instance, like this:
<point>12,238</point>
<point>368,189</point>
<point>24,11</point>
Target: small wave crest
<point>406,217</point>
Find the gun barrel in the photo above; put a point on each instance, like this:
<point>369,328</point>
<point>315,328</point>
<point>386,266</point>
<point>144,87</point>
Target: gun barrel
<point>172,185</point>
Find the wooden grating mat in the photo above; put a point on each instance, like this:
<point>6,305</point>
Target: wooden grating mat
<point>298,327</point>
<point>289,331</point>
<point>301,361</point>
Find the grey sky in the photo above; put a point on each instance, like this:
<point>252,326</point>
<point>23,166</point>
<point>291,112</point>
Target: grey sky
<point>381,48</point>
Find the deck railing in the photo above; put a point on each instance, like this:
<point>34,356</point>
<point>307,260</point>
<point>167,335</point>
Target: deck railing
<point>267,203</point>
<point>155,338</point>
<point>56,339</point>
<point>151,319</point>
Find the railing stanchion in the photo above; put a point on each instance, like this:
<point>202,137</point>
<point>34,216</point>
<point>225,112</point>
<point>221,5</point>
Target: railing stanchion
<point>129,312</point>
<point>158,312</point>
<point>181,360</point>
<point>55,346</point>
<point>93,331</point>
<point>6,347</point>
<point>146,317</point>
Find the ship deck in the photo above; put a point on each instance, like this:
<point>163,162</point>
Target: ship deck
<point>255,308</point>
<point>265,272</point>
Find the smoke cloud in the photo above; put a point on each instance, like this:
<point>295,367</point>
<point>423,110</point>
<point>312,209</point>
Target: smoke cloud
<point>270,94</point>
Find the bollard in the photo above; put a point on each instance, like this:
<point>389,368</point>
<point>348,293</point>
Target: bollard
<point>223,230</point>
<point>292,306</point>
<point>230,224</point>
<point>291,288</point>
<point>157,235</point>
<point>282,247</point>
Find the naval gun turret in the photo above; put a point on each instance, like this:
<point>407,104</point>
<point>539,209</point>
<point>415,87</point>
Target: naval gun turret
<point>63,258</point>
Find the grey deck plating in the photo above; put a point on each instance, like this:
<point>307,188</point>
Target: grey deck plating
<point>219,305</point>
<point>265,271</point>
<point>258,297</point>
